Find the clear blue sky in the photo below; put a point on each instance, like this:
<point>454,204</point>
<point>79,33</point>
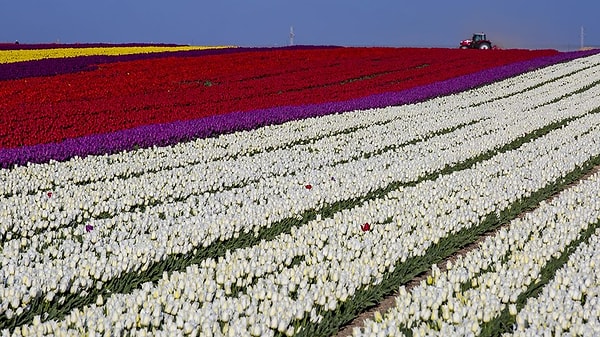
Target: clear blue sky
<point>508,23</point>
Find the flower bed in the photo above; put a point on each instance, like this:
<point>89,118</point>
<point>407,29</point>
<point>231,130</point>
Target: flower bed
<point>181,95</point>
<point>568,303</point>
<point>295,228</point>
<point>52,67</point>
<point>485,291</point>
<point>171,133</point>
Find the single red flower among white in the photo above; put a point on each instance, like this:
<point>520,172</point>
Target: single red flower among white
<point>49,194</point>
<point>366,227</point>
<point>308,187</point>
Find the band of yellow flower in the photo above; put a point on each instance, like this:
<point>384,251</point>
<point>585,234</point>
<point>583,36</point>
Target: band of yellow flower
<point>19,55</point>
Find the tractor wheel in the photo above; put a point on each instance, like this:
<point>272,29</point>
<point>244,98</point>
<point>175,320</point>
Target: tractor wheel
<point>485,45</point>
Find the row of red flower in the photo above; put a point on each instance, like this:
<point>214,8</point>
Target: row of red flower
<point>125,95</point>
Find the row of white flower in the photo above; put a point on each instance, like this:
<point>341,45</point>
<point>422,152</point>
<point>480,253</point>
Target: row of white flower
<point>241,143</point>
<point>497,272</point>
<point>570,303</point>
<point>29,214</point>
<point>143,239</point>
<point>136,239</point>
<point>337,257</point>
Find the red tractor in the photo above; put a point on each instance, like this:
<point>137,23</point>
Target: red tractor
<point>478,41</point>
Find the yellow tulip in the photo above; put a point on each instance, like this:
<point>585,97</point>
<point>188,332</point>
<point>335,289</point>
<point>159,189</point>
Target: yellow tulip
<point>378,317</point>
<point>20,55</point>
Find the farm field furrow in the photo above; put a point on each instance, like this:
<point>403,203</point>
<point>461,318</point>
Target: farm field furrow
<point>249,234</point>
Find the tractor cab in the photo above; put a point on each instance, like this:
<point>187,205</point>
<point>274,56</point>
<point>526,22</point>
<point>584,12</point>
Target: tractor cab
<point>478,37</point>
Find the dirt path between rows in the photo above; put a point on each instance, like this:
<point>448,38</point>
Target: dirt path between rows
<point>390,300</point>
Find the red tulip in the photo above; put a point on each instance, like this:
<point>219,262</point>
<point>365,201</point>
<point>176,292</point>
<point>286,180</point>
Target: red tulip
<point>365,227</point>
<point>49,194</point>
<point>308,187</point>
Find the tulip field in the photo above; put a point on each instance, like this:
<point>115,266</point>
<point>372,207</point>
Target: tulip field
<point>221,191</point>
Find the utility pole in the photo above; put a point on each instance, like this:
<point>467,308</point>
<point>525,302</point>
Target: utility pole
<point>292,35</point>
